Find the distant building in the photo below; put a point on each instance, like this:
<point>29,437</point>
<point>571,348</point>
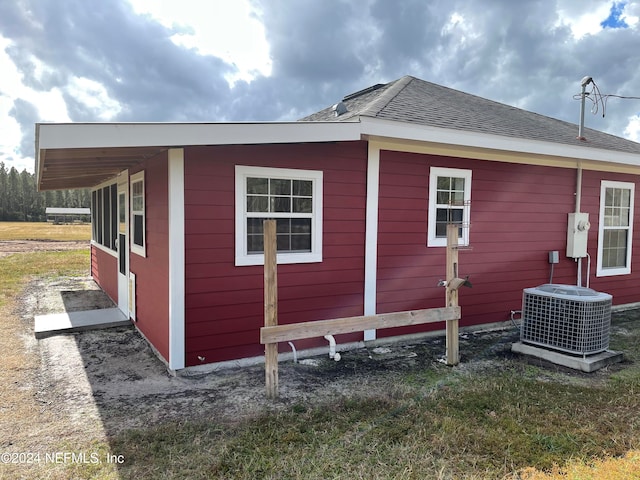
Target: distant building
<point>68,215</point>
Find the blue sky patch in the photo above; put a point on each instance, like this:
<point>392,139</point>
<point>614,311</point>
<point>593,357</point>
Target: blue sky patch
<point>614,20</point>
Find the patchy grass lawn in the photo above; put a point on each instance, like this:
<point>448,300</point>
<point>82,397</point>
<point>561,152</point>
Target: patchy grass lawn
<point>44,231</point>
<point>484,424</point>
<point>503,419</point>
<point>30,424</point>
<point>493,417</point>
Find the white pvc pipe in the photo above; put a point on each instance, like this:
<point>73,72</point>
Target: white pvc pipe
<point>295,353</point>
<point>332,347</point>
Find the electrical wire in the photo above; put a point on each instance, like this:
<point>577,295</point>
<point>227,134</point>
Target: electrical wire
<point>599,100</point>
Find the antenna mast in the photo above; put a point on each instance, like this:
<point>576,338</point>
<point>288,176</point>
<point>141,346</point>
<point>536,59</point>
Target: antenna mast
<point>584,82</point>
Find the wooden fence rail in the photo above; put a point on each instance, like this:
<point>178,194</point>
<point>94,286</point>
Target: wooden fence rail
<point>272,333</point>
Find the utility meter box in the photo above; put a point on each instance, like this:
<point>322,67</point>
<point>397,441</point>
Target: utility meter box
<point>577,235</point>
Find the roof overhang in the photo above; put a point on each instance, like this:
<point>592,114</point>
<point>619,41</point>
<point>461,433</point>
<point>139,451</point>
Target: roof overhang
<point>83,155</point>
<point>492,147</point>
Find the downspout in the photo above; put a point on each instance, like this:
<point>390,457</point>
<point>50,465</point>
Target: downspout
<point>578,203</point>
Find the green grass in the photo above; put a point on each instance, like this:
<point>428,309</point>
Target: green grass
<point>480,425</point>
<point>44,231</point>
<point>16,269</point>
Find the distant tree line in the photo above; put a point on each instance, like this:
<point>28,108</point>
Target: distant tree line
<point>20,200</point>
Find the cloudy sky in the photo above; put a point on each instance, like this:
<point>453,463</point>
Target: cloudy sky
<point>247,60</point>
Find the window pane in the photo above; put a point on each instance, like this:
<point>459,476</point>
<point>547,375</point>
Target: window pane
<point>283,225</point>
<point>114,216</point>
<point>280,186</point>
<point>443,198</point>
<point>283,243</point>
<point>625,197</point>
<point>614,249</point>
<point>137,199</point>
<point>122,214</point>
<point>300,225</point>
<point>608,196</point>
<point>301,243</point>
<point>281,204</point>
<point>255,226</point>
<point>303,188</point>
<point>445,216</point>
<point>257,204</point>
<point>258,185</point>
<point>99,214</point>
<point>302,205</point>
<point>255,243</point>
<point>457,198</point>
<point>94,216</point>
<point>444,183</point>
<point>138,230</point>
<point>458,184</point>
<point>106,218</point>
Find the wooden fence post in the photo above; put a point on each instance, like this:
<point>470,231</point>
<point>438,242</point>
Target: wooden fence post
<point>270,306</point>
<point>453,355</point>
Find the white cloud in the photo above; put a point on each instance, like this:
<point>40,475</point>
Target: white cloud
<point>632,132</point>
<point>51,107</point>
<point>584,17</point>
<point>94,97</point>
<point>228,29</point>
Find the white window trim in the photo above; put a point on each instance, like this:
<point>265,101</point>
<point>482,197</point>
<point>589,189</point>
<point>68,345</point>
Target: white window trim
<point>137,249</point>
<point>242,257</point>
<point>607,272</point>
<point>434,173</point>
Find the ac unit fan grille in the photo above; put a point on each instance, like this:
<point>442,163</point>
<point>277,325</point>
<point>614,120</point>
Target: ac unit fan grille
<point>578,326</point>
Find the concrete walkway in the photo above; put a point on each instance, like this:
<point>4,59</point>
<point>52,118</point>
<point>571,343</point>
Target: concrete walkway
<point>60,323</point>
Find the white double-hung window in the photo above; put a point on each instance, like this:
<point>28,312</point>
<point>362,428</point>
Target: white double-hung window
<point>138,231</point>
<point>615,230</point>
<point>449,202</point>
<point>293,198</point>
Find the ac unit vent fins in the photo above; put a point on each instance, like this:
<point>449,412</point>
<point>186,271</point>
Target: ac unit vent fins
<point>571,319</point>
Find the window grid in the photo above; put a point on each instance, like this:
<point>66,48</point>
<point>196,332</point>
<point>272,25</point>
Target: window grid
<point>290,203</point>
<point>616,228</point>
<point>617,208</point>
<point>449,202</point>
<point>138,226</point>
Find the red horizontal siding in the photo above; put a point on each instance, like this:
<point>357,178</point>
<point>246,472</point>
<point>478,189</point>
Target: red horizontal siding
<point>224,303</point>
<point>104,270</point>
<point>152,271</point>
<point>518,213</point>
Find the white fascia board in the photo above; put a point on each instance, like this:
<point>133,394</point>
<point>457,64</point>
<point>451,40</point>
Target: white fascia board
<point>374,127</point>
<point>106,135</point>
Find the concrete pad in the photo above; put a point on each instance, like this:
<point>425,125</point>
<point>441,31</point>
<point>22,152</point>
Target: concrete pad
<point>60,323</point>
<point>588,364</point>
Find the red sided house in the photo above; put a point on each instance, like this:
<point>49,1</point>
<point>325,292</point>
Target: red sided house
<point>361,193</point>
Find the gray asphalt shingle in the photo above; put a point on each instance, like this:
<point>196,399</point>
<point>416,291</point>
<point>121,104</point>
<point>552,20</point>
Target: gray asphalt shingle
<point>416,101</point>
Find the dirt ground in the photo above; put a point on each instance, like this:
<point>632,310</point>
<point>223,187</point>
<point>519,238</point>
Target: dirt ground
<point>7,247</point>
<point>114,377</point>
<point>109,380</point>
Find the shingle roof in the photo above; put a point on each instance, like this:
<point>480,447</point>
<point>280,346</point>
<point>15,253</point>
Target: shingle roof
<point>416,101</point>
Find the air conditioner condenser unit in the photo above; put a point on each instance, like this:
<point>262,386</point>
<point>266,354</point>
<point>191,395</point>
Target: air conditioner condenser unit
<point>571,319</point>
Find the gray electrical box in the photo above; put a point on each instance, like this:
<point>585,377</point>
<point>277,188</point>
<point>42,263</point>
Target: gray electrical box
<point>577,235</point>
